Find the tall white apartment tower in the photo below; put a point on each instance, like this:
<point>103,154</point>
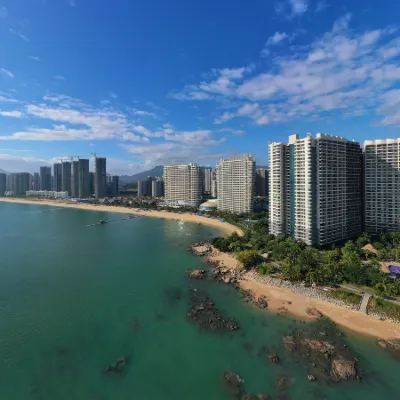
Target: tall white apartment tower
<point>182,185</point>
<point>382,185</point>
<point>236,183</point>
<point>315,189</point>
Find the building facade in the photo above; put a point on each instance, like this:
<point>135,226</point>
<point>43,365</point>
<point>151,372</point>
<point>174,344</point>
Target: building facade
<point>100,177</point>
<point>112,185</point>
<point>57,168</point>
<point>182,185</point>
<point>66,180</point>
<point>236,184</point>
<point>262,182</point>
<point>214,186</point>
<point>206,175</point>
<point>75,179</point>
<point>315,189</point>
<point>382,185</point>
<point>45,178</point>
<point>84,178</point>
<point>157,188</point>
<point>3,183</point>
<point>35,181</point>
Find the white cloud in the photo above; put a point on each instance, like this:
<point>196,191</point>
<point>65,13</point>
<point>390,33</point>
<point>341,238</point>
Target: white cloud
<point>20,35</point>
<point>142,113</point>
<point>3,12</point>
<point>34,58</point>
<point>6,72</point>
<point>7,99</point>
<point>13,114</point>
<point>13,163</point>
<point>113,95</point>
<point>59,78</point>
<point>276,38</point>
<point>321,6</point>
<point>341,71</point>
<point>298,6</point>
<point>291,8</point>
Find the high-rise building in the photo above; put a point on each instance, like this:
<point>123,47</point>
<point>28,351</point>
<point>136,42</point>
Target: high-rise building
<point>57,177</point>
<point>182,185</point>
<point>84,180</point>
<point>315,189</point>
<point>214,186</point>
<point>382,185</point>
<point>236,184</point>
<point>206,179</point>
<point>3,183</point>
<point>35,181</point>
<point>100,177</point>
<point>66,179</point>
<point>157,188</point>
<point>112,185</point>
<point>92,180</point>
<point>262,182</point>
<point>45,178</point>
<point>75,179</point>
<point>144,188</point>
<point>15,183</point>
<point>25,179</point>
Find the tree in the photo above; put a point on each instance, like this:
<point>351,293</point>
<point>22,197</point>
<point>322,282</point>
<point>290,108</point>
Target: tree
<point>248,258</point>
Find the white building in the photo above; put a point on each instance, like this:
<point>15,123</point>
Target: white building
<point>206,177</point>
<point>182,185</point>
<point>236,184</point>
<point>315,188</point>
<point>47,193</point>
<point>382,185</point>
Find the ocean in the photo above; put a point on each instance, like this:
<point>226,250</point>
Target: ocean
<point>76,299</point>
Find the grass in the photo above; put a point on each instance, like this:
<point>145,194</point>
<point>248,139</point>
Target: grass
<point>389,310</point>
<point>346,296</point>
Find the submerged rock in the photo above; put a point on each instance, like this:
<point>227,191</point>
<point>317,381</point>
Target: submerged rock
<point>264,396</point>
<point>343,370</point>
<point>196,274</point>
<point>393,346</point>
<point>273,358</point>
<point>118,366</point>
<point>289,343</point>
<point>233,383</point>
<point>262,302</point>
<point>313,312</point>
<point>311,377</point>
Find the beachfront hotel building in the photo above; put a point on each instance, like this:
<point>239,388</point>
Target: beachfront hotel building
<point>206,174</point>
<point>182,185</point>
<point>236,184</point>
<point>315,188</point>
<point>100,177</point>
<point>382,185</point>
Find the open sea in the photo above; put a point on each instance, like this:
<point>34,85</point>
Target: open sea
<point>75,299</point>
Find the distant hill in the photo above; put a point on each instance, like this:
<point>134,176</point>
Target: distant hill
<point>156,171</point>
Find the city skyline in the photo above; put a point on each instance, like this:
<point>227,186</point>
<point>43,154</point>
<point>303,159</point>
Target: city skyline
<point>154,93</point>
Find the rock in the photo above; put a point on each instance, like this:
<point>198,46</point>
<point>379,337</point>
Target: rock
<point>343,370</point>
<point>196,273</point>
<point>249,397</point>
<point>118,366</point>
<point>314,312</point>
<point>289,343</point>
<point>233,383</point>
<point>311,377</point>
<point>262,302</point>
<point>281,383</point>
<point>227,279</point>
<point>264,396</point>
<point>389,344</point>
<point>273,358</point>
<point>319,345</point>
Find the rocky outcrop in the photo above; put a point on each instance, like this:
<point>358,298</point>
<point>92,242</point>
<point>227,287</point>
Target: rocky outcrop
<point>313,312</point>
<point>118,366</point>
<point>233,383</point>
<point>200,249</point>
<point>196,273</point>
<point>343,370</point>
<point>204,313</point>
<point>289,343</point>
<point>262,302</point>
<point>311,377</point>
<point>392,346</point>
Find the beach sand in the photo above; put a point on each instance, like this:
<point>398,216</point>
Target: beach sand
<point>222,226</point>
<point>297,304</point>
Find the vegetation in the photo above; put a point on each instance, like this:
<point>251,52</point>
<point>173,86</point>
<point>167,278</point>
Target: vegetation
<point>248,258</point>
<point>348,264</point>
<point>382,307</point>
<point>346,296</point>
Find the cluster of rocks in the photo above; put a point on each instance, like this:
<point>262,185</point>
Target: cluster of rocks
<point>234,385</point>
<point>118,366</point>
<point>299,289</point>
<point>204,313</point>
<point>328,361</point>
<point>196,273</point>
<point>200,249</point>
<point>225,275</point>
<point>392,346</point>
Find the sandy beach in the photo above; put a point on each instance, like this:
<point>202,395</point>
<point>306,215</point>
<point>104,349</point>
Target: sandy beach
<point>222,226</point>
<point>297,304</point>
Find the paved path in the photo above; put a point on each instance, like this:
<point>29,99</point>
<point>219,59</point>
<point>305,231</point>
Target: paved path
<point>364,302</point>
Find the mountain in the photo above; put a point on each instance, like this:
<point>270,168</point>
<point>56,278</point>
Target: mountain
<point>156,171</point>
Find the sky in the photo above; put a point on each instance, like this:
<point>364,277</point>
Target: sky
<point>149,82</point>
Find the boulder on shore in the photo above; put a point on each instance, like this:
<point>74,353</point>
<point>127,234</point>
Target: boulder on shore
<point>262,302</point>
<point>313,312</point>
<point>390,344</point>
<point>343,370</point>
<point>196,273</point>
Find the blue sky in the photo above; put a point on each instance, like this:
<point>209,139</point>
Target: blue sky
<point>153,81</point>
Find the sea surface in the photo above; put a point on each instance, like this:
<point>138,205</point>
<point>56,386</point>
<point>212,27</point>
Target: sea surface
<point>74,299</point>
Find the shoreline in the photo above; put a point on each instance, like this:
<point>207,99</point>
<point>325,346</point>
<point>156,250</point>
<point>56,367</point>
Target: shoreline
<point>224,227</point>
<point>284,300</point>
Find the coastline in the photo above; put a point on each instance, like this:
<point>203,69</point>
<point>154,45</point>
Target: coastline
<point>297,304</point>
<point>225,227</point>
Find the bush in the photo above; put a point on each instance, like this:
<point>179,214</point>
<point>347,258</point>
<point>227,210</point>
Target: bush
<point>346,296</point>
<point>389,310</point>
<point>249,258</point>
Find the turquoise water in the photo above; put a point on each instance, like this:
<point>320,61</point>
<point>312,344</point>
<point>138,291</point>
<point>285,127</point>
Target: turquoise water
<point>75,299</point>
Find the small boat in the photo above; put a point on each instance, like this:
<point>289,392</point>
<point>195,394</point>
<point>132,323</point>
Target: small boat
<point>131,217</point>
<point>101,222</point>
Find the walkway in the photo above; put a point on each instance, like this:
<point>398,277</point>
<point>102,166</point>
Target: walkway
<point>364,302</point>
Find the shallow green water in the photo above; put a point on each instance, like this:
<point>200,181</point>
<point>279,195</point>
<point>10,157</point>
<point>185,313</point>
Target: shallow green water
<point>75,299</point>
